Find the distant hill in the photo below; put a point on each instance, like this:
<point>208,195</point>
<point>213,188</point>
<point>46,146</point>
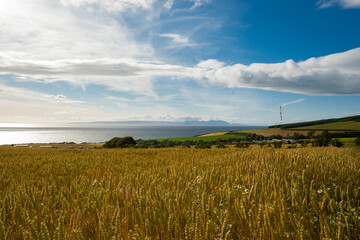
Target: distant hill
<point>335,124</point>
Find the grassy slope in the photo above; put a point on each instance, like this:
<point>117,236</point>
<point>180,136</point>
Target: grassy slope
<point>338,126</point>
<point>317,122</point>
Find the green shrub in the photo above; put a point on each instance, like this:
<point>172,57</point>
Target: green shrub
<point>337,143</point>
<point>117,142</point>
<point>242,145</point>
<point>357,141</point>
<point>277,144</point>
<point>304,143</point>
<point>203,145</point>
<point>221,145</point>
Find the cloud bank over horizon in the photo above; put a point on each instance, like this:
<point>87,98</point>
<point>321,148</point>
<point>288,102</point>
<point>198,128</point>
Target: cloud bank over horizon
<point>335,74</point>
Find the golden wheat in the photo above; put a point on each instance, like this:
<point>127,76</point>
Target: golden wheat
<point>256,193</point>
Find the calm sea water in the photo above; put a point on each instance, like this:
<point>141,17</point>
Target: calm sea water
<point>16,135</point>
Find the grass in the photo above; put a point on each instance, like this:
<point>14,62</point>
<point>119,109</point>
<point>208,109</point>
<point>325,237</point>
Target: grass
<point>347,140</point>
<point>252,131</point>
<point>205,139</point>
<point>303,193</point>
<point>338,126</point>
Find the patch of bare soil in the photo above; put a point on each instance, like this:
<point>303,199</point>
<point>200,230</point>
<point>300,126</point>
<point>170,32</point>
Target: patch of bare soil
<point>213,134</point>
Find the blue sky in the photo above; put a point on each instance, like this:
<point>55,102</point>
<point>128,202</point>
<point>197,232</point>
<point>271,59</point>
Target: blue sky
<point>107,60</point>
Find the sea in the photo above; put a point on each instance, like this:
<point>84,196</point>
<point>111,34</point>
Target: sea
<point>94,134</point>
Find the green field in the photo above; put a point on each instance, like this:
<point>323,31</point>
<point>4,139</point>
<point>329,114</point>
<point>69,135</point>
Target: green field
<point>205,139</point>
<point>346,140</point>
<point>251,131</point>
<point>255,193</point>
<point>338,126</point>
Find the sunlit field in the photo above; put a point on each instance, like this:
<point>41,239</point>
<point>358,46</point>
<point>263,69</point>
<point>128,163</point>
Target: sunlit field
<point>175,193</point>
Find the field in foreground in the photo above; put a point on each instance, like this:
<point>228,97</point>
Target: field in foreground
<point>304,193</point>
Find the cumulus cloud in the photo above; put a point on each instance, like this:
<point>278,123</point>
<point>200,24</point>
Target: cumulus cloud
<point>342,3</point>
<point>333,74</point>
<point>48,41</point>
<point>116,74</point>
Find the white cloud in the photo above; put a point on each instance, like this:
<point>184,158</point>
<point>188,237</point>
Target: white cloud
<point>112,5</point>
<point>119,99</point>
<point>199,3</point>
<point>333,74</point>
<point>211,64</point>
<point>49,41</point>
<point>293,102</point>
<point>216,107</point>
<point>116,74</point>
<point>342,3</point>
<point>22,94</point>
<point>47,30</point>
<point>168,5</point>
<point>176,38</point>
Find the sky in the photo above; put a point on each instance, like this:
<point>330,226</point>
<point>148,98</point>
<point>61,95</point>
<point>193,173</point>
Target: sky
<point>65,61</point>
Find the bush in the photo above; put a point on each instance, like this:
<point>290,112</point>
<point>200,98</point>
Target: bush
<point>117,142</point>
<point>277,144</point>
<point>220,145</point>
<point>242,145</point>
<point>357,141</point>
<point>336,143</point>
<point>304,143</point>
<point>203,145</point>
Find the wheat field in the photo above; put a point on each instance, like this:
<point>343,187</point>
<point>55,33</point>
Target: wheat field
<point>255,193</point>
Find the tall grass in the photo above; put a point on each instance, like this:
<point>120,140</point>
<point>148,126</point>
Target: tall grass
<point>308,193</point>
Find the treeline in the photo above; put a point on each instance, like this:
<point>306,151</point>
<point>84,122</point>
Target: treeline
<point>129,142</point>
<point>323,140</point>
<point>318,122</point>
<point>198,144</point>
<point>311,135</point>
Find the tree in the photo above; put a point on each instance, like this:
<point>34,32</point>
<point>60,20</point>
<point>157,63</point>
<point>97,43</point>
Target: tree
<point>323,140</point>
<point>117,142</point>
<point>310,134</point>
